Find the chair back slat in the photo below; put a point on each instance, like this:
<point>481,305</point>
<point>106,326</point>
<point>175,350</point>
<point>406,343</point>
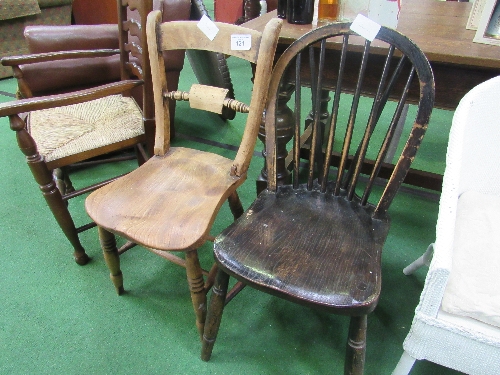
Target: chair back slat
<point>186,35</point>
<point>334,114</point>
<point>388,139</point>
<point>351,122</point>
<point>378,105</point>
<point>134,56</point>
<point>361,129</point>
<point>317,139</point>
<point>297,121</point>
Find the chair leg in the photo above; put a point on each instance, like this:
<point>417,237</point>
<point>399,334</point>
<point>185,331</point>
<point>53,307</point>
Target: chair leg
<point>197,288</point>
<point>110,252</point>
<point>404,365</point>
<point>214,314</point>
<point>235,205</point>
<point>425,259</point>
<point>61,213</point>
<point>356,346</point>
<point>52,195</point>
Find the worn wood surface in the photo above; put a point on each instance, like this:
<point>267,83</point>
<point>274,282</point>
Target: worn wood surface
<point>297,244</point>
<point>169,203</point>
<point>316,237</point>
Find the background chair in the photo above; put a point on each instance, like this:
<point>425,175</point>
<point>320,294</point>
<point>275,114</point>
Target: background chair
<point>67,128</point>
<point>457,321</point>
<point>317,239</point>
<point>210,68</point>
<point>172,200</point>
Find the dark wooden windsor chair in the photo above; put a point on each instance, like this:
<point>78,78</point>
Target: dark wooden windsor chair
<point>60,130</point>
<point>170,202</point>
<point>317,239</point>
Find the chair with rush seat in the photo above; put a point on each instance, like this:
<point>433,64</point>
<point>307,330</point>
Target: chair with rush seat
<point>171,201</point>
<point>60,130</point>
<point>317,238</point>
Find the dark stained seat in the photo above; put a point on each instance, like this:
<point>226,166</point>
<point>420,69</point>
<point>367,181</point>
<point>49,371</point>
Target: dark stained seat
<point>316,236</point>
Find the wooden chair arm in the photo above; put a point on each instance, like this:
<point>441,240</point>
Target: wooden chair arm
<point>54,56</point>
<point>52,101</point>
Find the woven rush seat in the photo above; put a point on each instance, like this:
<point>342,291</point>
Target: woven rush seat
<point>85,126</point>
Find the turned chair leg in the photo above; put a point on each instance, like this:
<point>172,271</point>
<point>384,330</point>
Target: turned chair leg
<point>51,193</point>
<point>214,315</point>
<point>110,251</point>
<point>196,288</point>
<point>61,213</point>
<point>235,205</point>
<point>356,346</point>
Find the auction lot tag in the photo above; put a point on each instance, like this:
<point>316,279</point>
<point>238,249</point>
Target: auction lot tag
<point>208,27</point>
<point>241,42</point>
<point>365,27</point>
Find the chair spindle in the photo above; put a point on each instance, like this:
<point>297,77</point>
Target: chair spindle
<point>334,112</point>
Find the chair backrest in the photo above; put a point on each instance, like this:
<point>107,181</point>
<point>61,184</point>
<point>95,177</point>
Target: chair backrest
<point>358,143</point>
<point>474,138</point>
<point>134,56</point>
<point>471,161</point>
<point>186,35</point>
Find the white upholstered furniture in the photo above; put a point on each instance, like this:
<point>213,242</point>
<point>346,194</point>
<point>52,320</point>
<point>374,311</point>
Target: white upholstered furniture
<point>456,323</point>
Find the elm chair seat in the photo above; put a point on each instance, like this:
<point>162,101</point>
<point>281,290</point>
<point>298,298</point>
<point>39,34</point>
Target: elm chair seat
<point>277,222</point>
<point>164,191</point>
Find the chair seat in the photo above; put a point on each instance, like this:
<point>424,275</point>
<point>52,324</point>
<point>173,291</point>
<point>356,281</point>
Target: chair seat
<point>78,128</point>
<point>265,247</point>
<point>169,203</point>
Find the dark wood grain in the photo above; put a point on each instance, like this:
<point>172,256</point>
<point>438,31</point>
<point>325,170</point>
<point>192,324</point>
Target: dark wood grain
<point>315,236</point>
<point>294,244</point>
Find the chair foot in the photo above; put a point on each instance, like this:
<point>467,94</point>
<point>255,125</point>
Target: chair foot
<point>404,365</point>
<point>425,259</point>
<point>118,283</point>
<point>81,258</point>
<point>110,252</point>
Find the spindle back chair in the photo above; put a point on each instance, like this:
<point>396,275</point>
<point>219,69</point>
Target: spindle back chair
<point>316,237</point>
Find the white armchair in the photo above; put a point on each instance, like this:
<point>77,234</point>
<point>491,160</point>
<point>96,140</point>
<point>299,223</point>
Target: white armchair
<point>457,322</point>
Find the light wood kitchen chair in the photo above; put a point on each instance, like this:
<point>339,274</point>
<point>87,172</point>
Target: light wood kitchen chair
<point>171,201</point>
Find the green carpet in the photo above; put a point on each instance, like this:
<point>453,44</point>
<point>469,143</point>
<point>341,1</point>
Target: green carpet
<point>60,318</point>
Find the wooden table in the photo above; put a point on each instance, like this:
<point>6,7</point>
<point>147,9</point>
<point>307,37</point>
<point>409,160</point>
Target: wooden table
<point>438,28</point>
